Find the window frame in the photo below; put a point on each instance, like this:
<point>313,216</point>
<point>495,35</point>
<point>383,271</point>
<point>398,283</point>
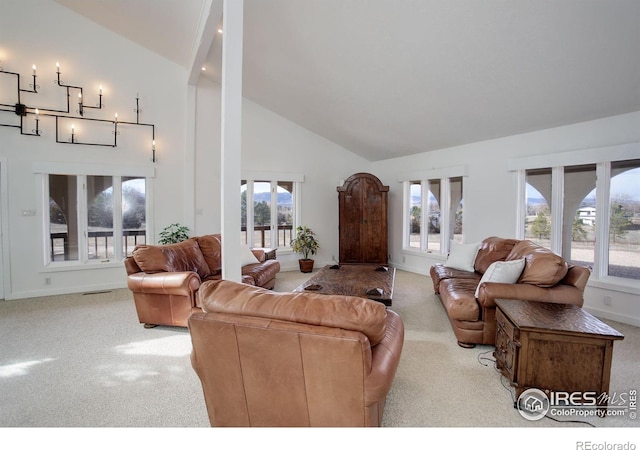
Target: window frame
<point>445,176</point>
<point>602,157</point>
<point>273,178</point>
<point>81,172</point>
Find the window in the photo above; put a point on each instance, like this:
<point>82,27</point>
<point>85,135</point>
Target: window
<point>432,217</point>
<point>457,203</point>
<point>624,220</point>
<point>415,213</point>
<point>134,213</point>
<point>538,200</point>
<point>578,221</point>
<point>94,217</point>
<point>433,213</point>
<point>272,206</point>
<point>100,217</point>
<point>63,218</point>
<point>588,212</point>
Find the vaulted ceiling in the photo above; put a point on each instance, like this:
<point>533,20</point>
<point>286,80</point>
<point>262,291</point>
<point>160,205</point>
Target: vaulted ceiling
<point>387,78</point>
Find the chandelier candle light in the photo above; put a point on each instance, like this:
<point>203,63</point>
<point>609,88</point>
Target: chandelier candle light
<point>22,110</point>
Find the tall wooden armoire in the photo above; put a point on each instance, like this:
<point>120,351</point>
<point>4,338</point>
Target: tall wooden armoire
<point>363,220</point>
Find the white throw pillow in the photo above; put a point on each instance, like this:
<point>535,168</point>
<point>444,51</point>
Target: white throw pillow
<point>502,272</point>
<point>462,256</point>
<point>246,256</point>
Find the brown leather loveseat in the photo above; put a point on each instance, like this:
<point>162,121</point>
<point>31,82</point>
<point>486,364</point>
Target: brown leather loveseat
<point>281,359</point>
<point>470,302</point>
<point>165,279</point>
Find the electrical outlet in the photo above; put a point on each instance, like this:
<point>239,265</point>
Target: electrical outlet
<point>47,281</point>
<point>404,259</point>
<point>608,301</point>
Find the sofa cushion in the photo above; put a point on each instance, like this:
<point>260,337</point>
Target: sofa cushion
<point>493,249</point>
<point>246,256</point>
<point>502,272</point>
<point>542,267</point>
<point>462,256</point>
<point>439,272</point>
<point>336,311</point>
<point>210,247</point>
<point>458,298</point>
<point>184,256</point>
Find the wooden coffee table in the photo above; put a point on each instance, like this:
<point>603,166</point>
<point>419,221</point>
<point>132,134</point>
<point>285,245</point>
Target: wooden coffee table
<point>367,281</point>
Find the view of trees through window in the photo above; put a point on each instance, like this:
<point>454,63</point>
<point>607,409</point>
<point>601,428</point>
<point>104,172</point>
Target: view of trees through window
<point>428,238</point>
<point>98,209</point>
<point>580,215</point>
<point>259,232</point>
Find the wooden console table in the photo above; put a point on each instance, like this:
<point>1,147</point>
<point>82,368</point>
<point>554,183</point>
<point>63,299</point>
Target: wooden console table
<point>553,347</point>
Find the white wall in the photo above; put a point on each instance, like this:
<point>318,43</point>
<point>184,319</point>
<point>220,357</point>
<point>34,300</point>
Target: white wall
<point>43,32</point>
<point>491,198</point>
<point>272,144</point>
<point>91,55</point>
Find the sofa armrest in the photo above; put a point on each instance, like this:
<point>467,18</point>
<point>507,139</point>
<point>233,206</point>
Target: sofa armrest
<point>559,293</point>
<point>385,357</point>
<point>173,283</point>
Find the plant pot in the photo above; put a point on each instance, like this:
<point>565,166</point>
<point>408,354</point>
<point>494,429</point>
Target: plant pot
<point>306,265</point>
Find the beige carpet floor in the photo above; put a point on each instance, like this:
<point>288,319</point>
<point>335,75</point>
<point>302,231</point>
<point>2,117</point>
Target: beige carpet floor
<point>440,384</point>
<point>83,360</point>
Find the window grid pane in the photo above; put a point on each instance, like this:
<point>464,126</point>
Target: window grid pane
<point>538,221</point>
<point>285,214</point>
<point>579,214</point>
<point>134,213</point>
<point>262,214</point>
<point>433,230</point>
<point>457,201</point>
<point>99,217</point>
<point>63,217</point>
<point>624,220</point>
<point>415,213</point>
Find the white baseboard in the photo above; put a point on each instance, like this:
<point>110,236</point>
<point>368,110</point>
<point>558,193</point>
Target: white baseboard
<point>65,290</point>
<point>601,314</point>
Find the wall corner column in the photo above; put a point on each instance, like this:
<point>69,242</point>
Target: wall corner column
<point>231,137</point>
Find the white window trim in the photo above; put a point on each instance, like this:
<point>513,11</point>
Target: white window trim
<point>602,158</point>
<point>250,177</point>
<point>81,171</point>
<point>444,175</point>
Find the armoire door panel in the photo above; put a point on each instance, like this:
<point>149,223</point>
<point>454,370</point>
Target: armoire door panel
<point>363,220</point>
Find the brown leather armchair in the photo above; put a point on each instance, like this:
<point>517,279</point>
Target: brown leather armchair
<point>165,279</point>
<point>293,359</point>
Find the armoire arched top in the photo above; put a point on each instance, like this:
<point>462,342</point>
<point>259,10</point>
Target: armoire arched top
<point>356,177</point>
<point>362,229</point>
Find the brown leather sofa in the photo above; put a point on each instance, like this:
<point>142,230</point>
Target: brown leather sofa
<point>293,359</point>
<point>546,277</point>
<point>165,279</point>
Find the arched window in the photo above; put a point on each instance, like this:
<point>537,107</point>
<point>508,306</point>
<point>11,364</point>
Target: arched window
<point>589,213</point>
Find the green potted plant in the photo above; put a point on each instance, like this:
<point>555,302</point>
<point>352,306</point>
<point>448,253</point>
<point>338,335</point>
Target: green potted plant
<point>173,234</point>
<point>306,243</point>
